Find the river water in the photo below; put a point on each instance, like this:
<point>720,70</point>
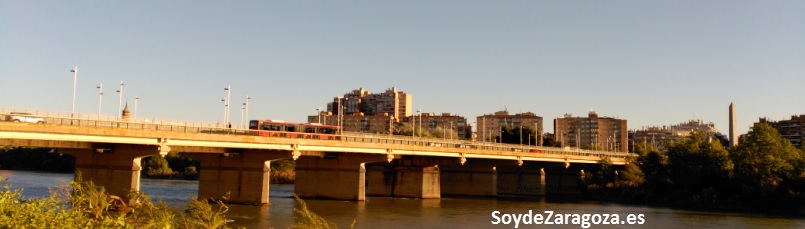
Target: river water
<point>448,212</point>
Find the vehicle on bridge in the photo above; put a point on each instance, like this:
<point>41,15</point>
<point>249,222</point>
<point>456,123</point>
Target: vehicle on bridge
<point>279,128</point>
<point>24,117</point>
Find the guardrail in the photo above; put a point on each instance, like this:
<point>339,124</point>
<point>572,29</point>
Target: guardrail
<point>61,118</point>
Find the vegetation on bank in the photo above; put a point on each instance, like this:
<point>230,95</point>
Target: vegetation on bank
<point>172,166</point>
<point>36,159</point>
<point>765,172</point>
<point>86,205</point>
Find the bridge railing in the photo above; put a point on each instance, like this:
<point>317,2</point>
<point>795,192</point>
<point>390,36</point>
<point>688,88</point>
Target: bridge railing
<point>61,118</point>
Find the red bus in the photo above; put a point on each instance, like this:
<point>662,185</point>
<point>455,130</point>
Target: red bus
<point>274,128</point>
<point>321,131</point>
<point>278,128</point>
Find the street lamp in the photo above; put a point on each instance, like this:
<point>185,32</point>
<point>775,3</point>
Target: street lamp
<point>247,107</point>
<point>75,78</point>
<point>228,90</point>
<point>419,112</point>
<point>318,114</point>
<point>100,99</point>
<point>242,108</point>
<point>224,121</point>
<point>136,99</point>
<point>120,100</point>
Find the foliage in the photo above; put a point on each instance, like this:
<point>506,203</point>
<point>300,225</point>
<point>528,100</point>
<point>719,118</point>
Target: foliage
<point>282,172</point>
<point>698,168</point>
<point>307,219</point>
<point>39,159</point>
<point>519,135</point>
<point>405,129</point>
<point>158,166</point>
<point>173,165</point>
<point>765,160</point>
<point>653,164</point>
<point>549,139</point>
<point>200,214</point>
<point>88,206</point>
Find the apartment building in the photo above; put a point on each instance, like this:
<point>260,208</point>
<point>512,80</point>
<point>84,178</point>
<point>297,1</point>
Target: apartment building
<point>592,132</point>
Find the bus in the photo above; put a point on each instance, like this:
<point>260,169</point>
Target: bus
<point>279,128</point>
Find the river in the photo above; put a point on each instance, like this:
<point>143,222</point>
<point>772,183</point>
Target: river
<point>448,212</point>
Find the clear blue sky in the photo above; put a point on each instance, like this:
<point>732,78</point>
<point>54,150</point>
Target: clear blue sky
<point>650,62</point>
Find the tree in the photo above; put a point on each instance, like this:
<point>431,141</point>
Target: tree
<point>764,160</point>
<point>519,135</point>
<point>698,168</point>
<point>158,166</point>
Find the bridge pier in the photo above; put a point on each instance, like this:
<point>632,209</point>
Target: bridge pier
<point>243,176</point>
<point>563,180</point>
<point>339,176</point>
<point>528,179</point>
<point>413,177</point>
<point>476,177</point>
<point>116,168</point>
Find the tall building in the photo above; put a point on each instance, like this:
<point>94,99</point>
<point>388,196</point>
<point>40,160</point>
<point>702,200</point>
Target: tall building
<point>792,129</point>
<point>392,102</point>
<point>733,125</point>
<point>376,124</point>
<point>655,135</point>
<point>592,132</point>
<point>490,125</point>
<point>459,129</point>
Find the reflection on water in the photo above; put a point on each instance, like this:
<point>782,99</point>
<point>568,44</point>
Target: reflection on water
<point>448,212</point>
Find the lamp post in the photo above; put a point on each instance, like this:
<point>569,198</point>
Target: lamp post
<point>318,114</point>
<point>420,121</point>
<point>75,78</point>
<point>100,99</point>
<point>340,112</point>
<point>120,100</point>
<point>136,99</point>
<point>223,122</point>
<point>247,107</point>
<point>242,109</point>
<point>228,90</point>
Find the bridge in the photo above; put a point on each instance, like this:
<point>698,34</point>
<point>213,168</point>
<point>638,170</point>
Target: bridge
<point>348,166</point>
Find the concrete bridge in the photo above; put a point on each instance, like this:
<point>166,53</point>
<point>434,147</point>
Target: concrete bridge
<point>347,167</point>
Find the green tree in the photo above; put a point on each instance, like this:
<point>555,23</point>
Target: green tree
<point>699,168</point>
<point>653,163</point>
<point>158,166</point>
<point>518,135</point>
<point>406,129</point>
<point>765,160</point>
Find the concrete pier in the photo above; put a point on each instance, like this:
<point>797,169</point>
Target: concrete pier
<point>115,167</point>
<point>340,176</point>
<point>413,177</point>
<point>477,177</point>
<point>240,177</point>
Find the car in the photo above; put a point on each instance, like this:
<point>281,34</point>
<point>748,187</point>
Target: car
<point>24,117</point>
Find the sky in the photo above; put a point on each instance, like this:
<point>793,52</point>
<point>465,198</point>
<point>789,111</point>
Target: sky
<point>652,63</point>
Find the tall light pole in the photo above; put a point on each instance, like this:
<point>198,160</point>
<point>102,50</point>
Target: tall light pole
<point>420,121</point>
<point>136,99</point>
<point>338,110</point>
<point>100,98</point>
<point>228,90</point>
<point>75,78</point>
<point>242,108</point>
<point>247,107</point>
<point>318,114</point>
<point>120,100</point>
<point>224,120</point>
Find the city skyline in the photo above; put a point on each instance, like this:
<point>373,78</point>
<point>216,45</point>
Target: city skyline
<point>649,63</point>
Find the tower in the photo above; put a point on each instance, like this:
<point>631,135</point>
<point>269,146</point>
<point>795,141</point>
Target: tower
<point>733,123</point>
<point>126,113</point>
